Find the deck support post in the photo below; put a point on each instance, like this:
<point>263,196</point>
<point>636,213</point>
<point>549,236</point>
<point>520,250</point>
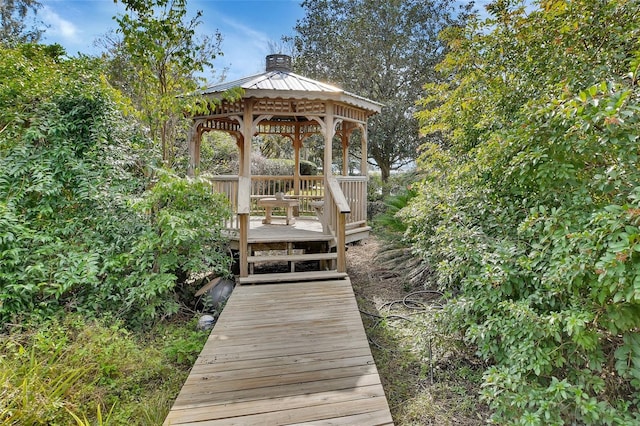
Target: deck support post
<point>297,143</point>
<point>244,211</point>
<point>365,154</point>
<point>341,248</point>
<point>244,244</point>
<point>244,188</point>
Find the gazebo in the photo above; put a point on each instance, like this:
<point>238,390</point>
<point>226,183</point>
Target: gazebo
<point>280,102</point>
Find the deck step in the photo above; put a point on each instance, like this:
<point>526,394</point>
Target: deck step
<point>292,257</point>
<point>284,238</point>
<point>357,234</point>
<point>292,276</point>
<point>357,230</point>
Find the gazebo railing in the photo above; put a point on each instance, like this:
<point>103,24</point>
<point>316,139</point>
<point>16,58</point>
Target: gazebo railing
<point>353,188</point>
<point>311,189</point>
<point>228,185</point>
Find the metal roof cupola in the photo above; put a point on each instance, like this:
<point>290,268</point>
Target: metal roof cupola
<point>278,62</point>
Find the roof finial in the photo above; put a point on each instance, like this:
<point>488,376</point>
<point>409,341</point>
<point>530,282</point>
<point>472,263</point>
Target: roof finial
<point>279,62</point>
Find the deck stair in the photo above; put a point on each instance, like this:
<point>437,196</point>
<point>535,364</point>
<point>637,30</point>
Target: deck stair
<point>285,257</point>
<point>292,277</point>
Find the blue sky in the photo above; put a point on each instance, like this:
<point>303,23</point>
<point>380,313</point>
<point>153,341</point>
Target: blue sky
<point>247,27</point>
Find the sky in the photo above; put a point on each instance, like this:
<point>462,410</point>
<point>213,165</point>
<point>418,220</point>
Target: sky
<point>248,27</point>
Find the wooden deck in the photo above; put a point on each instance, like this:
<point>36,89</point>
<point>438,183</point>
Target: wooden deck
<point>285,354</point>
<point>304,229</point>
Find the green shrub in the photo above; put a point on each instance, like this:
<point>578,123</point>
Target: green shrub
<point>218,154</point>
<point>280,166</point>
<point>374,188</point>
<point>307,168</point>
<point>530,215</point>
<point>86,222</point>
<point>182,236</point>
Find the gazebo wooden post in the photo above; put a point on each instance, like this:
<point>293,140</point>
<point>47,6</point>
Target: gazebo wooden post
<point>328,142</point>
<point>297,144</point>
<point>244,188</point>
<point>330,130</point>
<point>344,136</point>
<point>364,154</point>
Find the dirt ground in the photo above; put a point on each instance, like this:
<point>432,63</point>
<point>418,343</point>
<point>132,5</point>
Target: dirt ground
<point>369,278</point>
<point>427,378</point>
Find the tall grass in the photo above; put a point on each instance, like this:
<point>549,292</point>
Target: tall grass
<point>74,371</point>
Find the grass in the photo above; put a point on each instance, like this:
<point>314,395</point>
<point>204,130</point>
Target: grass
<point>429,378</point>
<point>76,371</point>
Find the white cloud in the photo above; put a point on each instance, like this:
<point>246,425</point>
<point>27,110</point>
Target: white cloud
<point>59,27</point>
<point>244,49</point>
<point>258,38</point>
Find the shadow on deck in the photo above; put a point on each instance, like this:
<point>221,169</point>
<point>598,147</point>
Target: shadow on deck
<point>284,354</point>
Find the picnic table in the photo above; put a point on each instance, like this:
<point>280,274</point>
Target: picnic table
<point>287,203</point>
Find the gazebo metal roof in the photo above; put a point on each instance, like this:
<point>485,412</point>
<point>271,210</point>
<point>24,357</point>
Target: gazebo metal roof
<point>275,80</point>
<point>278,81</point>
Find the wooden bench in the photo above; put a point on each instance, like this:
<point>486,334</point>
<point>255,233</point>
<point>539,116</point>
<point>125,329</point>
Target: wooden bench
<point>286,203</point>
<point>318,206</point>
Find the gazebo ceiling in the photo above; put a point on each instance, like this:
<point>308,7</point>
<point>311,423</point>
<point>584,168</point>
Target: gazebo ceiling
<point>283,91</point>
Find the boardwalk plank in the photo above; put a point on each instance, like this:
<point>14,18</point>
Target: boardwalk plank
<point>217,365</point>
<point>245,342</point>
<point>214,373</point>
<point>270,406</point>
<point>285,354</point>
<point>212,395</point>
<point>373,418</point>
<point>313,413</point>
<point>292,349</point>
<point>229,384</point>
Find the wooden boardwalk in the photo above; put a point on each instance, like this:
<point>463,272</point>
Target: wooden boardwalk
<point>285,354</point>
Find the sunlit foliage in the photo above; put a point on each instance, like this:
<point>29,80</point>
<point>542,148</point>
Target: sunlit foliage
<point>530,212</point>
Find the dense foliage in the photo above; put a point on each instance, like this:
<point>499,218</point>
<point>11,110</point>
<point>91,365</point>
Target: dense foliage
<point>86,223</point>
<point>530,213</point>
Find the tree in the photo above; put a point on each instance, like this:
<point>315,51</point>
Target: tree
<point>162,59</point>
<point>383,50</point>
<point>13,17</point>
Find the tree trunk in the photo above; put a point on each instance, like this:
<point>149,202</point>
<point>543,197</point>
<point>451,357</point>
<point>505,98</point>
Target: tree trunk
<point>165,148</point>
<point>385,172</point>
